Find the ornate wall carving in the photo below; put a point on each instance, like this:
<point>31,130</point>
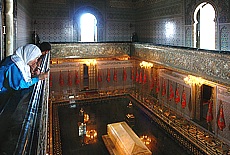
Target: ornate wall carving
<point>89,50</point>
<point>210,65</point>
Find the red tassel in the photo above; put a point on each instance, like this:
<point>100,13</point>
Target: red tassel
<point>115,75</point>
<point>221,121</point>
<point>171,92</point>
<point>108,75</point>
<point>164,88</point>
<point>69,79</point>
<point>61,79</point>
<point>152,84</point>
<point>99,76</point>
<point>77,81</point>
<point>209,117</point>
<point>183,102</point>
<point>177,97</point>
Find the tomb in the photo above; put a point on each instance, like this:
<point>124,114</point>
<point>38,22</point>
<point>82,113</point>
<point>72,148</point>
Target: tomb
<point>121,139</point>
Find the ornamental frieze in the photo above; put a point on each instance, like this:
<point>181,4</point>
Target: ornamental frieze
<point>210,65</point>
<point>89,50</point>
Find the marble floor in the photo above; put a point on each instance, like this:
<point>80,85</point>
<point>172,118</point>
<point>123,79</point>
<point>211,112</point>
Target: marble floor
<point>101,113</point>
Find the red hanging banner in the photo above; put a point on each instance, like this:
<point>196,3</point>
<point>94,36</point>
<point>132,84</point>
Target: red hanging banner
<point>99,78</point>
<point>51,80</point>
<point>77,81</point>
<point>69,79</point>
<point>124,74</point>
<point>163,88</point>
<point>209,116</point>
<point>221,121</point>
<point>108,75</point>
<point>171,92</point>
<point>183,102</point>
<point>177,97</point>
<point>115,75</point>
<point>61,79</point>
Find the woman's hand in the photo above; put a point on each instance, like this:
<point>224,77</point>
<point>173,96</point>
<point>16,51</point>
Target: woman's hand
<point>36,72</point>
<point>43,76</point>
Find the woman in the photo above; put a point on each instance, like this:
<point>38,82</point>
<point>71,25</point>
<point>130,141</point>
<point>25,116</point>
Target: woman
<point>16,69</point>
<point>15,77</point>
<point>45,48</point>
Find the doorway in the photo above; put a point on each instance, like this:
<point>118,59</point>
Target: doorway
<point>204,26</point>
<point>206,99</point>
<point>85,77</point>
<point>88,24</point>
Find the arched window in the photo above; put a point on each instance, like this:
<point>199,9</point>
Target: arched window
<point>204,26</point>
<point>88,23</point>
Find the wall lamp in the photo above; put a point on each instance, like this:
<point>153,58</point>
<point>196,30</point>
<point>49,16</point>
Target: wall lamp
<point>145,64</point>
<point>90,62</point>
<point>190,80</point>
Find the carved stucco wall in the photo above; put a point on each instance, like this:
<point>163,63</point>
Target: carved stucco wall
<point>89,50</point>
<point>210,65</point>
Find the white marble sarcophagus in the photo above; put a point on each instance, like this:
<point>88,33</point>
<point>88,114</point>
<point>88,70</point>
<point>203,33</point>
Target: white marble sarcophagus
<point>121,140</point>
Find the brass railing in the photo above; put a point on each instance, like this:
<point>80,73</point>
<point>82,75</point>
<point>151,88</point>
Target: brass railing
<point>27,143</point>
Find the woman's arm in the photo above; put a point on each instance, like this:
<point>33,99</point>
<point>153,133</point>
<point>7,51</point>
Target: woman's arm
<point>15,80</point>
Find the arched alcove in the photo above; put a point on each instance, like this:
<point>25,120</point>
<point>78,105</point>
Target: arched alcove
<point>76,22</point>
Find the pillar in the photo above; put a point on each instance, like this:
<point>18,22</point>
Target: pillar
<point>9,27</point>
